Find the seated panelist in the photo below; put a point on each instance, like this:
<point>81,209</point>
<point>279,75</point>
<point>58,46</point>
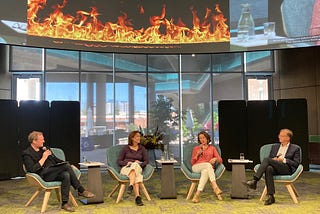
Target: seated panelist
<point>39,159</point>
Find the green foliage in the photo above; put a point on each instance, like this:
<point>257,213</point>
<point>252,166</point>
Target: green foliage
<point>153,140</point>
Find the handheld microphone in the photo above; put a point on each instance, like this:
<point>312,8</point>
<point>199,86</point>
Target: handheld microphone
<point>278,155</point>
<point>44,148</point>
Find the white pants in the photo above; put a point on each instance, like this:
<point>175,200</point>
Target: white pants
<point>207,172</point>
<point>137,169</point>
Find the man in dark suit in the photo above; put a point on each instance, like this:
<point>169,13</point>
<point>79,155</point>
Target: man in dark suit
<point>284,159</point>
<point>39,159</point>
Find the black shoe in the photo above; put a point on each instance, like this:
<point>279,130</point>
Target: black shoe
<point>129,189</point>
<point>139,201</point>
<point>270,200</point>
<point>67,207</point>
<point>252,184</point>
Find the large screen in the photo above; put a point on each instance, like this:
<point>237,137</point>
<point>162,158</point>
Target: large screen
<point>161,26</point>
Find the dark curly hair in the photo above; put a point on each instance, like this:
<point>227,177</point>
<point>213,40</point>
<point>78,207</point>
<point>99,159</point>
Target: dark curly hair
<point>206,135</point>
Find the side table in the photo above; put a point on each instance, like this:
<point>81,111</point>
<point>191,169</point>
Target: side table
<point>94,182</point>
<point>168,180</point>
<point>238,189</point>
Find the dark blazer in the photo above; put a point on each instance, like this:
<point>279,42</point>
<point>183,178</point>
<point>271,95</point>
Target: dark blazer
<point>292,156</point>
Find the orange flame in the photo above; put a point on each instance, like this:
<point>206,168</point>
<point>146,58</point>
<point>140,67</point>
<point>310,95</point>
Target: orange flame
<point>87,27</point>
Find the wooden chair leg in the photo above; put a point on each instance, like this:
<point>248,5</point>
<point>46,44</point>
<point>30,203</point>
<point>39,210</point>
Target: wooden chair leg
<point>72,200</point>
<point>292,193</point>
<point>191,189</point>
<point>45,200</point>
<point>295,190</point>
<point>145,192</point>
<point>33,197</point>
<point>121,191</point>
<point>114,190</point>
<point>264,193</point>
<point>58,193</point>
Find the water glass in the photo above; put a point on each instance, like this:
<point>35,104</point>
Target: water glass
<point>171,157</point>
<point>241,156</point>
<point>269,29</point>
<point>162,157</point>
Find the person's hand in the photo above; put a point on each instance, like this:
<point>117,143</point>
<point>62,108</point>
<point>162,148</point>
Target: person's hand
<point>280,159</point>
<point>46,154</point>
<point>213,160</point>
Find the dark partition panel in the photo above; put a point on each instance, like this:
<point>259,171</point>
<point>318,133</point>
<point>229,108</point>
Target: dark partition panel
<point>33,116</point>
<point>262,127</point>
<point>9,139</point>
<point>65,128</point>
<point>232,129</point>
<point>293,114</point>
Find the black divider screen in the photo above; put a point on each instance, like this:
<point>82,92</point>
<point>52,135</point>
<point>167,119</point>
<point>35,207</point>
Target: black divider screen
<point>262,127</point>
<point>65,128</point>
<point>232,129</point>
<point>293,114</point>
<point>9,139</point>
<point>33,116</point>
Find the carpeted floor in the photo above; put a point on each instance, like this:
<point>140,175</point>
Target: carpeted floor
<point>15,193</point>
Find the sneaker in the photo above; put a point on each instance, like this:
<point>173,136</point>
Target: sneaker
<point>67,207</point>
<point>139,201</point>
<point>86,194</point>
<point>129,189</point>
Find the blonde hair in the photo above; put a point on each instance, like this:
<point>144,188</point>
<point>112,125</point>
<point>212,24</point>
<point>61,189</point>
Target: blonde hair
<point>34,136</point>
<point>288,132</point>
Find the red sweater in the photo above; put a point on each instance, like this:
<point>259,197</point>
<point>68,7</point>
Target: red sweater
<point>206,156</point>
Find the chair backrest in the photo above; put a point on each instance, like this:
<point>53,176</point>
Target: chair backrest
<point>187,152</point>
<point>265,151</point>
<point>58,153</point>
<point>113,153</point>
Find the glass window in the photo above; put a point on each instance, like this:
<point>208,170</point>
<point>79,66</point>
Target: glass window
<point>97,118</point>
<point>62,86</point>
<point>163,108</point>
<point>259,61</point>
<point>96,61</point>
<point>227,62</point>
<point>196,63</point>
<point>130,104</point>
<point>131,62</point>
<point>163,63</point>
<point>258,87</point>
<point>196,110</point>
<point>26,59</point>
<point>61,60</point>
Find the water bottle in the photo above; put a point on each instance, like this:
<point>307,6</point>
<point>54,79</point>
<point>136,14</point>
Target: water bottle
<point>245,24</point>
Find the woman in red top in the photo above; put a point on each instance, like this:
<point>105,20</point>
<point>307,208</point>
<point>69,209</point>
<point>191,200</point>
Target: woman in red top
<point>204,156</point>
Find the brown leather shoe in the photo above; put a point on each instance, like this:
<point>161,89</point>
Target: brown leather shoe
<point>67,208</point>
<point>86,194</point>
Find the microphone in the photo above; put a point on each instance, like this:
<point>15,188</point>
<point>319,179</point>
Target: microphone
<point>44,148</point>
<point>278,155</point>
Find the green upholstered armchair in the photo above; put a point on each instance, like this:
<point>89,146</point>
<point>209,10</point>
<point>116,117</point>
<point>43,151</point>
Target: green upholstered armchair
<point>186,167</point>
<point>113,168</point>
<point>36,181</point>
<point>286,179</point>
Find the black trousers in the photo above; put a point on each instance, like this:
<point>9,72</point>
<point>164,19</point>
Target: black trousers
<point>66,175</point>
<point>271,167</point>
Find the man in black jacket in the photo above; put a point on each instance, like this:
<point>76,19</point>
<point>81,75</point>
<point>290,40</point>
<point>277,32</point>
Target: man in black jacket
<point>284,159</point>
<point>39,159</point>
